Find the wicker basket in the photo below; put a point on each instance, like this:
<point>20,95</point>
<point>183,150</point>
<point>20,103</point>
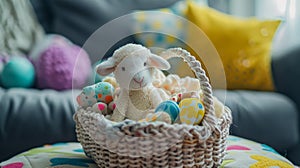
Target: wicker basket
<point>157,144</point>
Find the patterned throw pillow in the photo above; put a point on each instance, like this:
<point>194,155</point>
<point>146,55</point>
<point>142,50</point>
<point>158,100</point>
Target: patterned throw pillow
<point>245,153</point>
<point>240,153</point>
<point>163,28</point>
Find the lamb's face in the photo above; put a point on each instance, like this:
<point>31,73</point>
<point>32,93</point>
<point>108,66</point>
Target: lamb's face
<point>132,65</point>
<point>133,72</point>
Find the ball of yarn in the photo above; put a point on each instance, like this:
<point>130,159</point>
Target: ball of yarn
<point>18,72</point>
<point>46,42</point>
<point>57,69</point>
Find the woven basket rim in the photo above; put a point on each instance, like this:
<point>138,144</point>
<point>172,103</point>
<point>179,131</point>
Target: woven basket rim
<point>189,129</point>
<point>130,123</point>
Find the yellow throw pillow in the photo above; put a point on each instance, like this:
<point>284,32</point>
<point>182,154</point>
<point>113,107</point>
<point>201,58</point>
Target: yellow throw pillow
<point>244,46</point>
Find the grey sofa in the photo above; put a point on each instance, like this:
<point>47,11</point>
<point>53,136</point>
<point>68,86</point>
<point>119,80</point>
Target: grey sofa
<point>31,117</point>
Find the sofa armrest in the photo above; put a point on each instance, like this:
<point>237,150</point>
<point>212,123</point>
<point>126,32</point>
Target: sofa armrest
<point>30,118</point>
<point>286,74</point>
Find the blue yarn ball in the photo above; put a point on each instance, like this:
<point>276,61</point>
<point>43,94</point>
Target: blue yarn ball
<point>18,72</point>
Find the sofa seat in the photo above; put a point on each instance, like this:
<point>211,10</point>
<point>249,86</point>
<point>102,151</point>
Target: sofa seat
<point>32,117</point>
<point>266,117</point>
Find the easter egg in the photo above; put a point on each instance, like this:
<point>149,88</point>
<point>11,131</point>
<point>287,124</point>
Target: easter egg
<point>100,108</point>
<point>86,100</point>
<point>104,92</point>
<point>169,107</point>
<point>18,72</point>
<point>191,111</point>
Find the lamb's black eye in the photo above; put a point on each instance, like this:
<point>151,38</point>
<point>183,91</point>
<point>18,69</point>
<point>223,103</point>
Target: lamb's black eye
<point>145,63</point>
<point>123,68</point>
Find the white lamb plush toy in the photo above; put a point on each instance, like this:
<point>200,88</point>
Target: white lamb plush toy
<point>133,66</point>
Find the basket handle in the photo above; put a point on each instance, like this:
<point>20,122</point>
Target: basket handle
<point>209,119</point>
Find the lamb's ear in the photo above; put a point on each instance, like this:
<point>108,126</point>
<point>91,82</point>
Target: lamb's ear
<point>105,68</point>
<point>158,62</point>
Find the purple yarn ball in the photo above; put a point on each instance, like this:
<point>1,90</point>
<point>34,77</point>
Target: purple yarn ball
<point>62,67</point>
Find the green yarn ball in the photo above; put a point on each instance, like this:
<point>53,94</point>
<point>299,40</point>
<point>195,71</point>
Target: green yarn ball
<point>18,72</point>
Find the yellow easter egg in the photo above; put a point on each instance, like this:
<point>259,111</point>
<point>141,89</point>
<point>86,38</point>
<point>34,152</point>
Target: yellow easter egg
<point>201,113</point>
<point>191,111</point>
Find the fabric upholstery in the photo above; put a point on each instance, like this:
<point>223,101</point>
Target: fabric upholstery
<point>19,27</point>
<point>286,74</point>
<point>244,45</point>
<point>239,152</point>
<point>30,117</point>
<point>77,20</point>
<point>293,154</point>
<point>265,117</point>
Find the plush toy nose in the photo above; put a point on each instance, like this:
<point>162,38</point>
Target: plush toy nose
<point>138,78</point>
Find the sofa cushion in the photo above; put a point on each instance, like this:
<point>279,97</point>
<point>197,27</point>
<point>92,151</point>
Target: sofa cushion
<point>286,74</point>
<point>154,25</point>
<point>266,117</point>
<point>72,17</point>
<point>30,118</point>
<point>243,45</point>
<point>77,20</point>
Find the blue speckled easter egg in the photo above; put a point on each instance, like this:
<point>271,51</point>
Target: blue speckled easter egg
<point>169,107</point>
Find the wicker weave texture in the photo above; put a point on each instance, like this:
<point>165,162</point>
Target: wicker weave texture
<point>157,144</point>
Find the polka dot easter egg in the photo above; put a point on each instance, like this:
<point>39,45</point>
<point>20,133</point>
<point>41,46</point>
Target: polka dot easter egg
<point>191,111</point>
<point>99,92</point>
<point>104,92</point>
<point>86,97</point>
<point>169,107</point>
